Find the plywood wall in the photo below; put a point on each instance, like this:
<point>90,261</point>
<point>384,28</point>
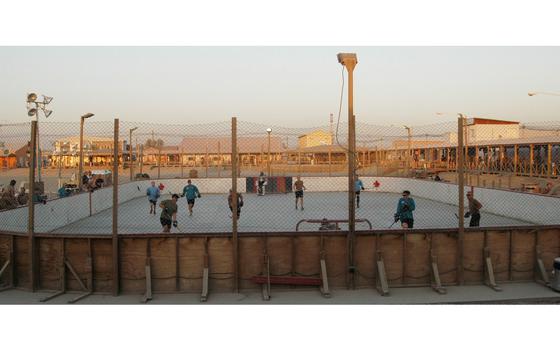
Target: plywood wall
<point>177,261</point>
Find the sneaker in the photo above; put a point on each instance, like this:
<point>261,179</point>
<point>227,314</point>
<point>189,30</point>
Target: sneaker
<point>302,208</point>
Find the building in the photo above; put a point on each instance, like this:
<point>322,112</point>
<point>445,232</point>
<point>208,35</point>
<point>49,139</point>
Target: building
<point>98,151</point>
<point>315,138</point>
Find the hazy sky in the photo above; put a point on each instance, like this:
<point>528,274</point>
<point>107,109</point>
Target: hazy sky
<point>287,86</point>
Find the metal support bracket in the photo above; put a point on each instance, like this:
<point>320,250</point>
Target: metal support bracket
<point>436,281</point>
<point>68,265</point>
<point>544,279</point>
<point>205,276</point>
<point>148,295</point>
<point>325,281</point>
<point>266,287</point>
<point>489,278</point>
<point>148,272</point>
<point>4,267</point>
<point>381,280</point>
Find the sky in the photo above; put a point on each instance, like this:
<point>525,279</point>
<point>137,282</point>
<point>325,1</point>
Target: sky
<point>287,86</point>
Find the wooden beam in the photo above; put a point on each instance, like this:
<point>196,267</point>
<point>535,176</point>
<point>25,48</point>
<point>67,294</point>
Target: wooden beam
<point>544,279</point>
<point>266,286</point>
<point>436,280</point>
<point>403,276</point>
<point>177,266</point>
<point>62,273</point>
<point>82,296</point>
<point>489,277</point>
<point>204,294</point>
<point>4,267</point>
<point>205,274</point>
<point>148,272</point>
<point>76,276</point>
<point>325,280</point>
<point>381,280</point>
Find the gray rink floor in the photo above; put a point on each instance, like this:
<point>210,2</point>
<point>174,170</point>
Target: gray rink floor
<point>512,293</point>
<point>276,212</point>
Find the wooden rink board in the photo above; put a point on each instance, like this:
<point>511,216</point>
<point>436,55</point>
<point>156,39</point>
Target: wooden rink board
<point>177,260</point>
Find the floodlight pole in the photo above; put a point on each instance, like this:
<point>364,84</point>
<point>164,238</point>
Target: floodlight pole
<point>409,151</point>
<point>349,60</point>
<point>81,160</point>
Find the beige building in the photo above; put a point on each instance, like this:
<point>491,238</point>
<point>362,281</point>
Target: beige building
<point>98,151</point>
<point>315,138</point>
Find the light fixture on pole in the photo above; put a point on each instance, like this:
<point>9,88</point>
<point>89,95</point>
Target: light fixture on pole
<point>33,108</point>
<point>130,152</point>
<point>409,149</point>
<point>81,159</point>
<point>269,131</point>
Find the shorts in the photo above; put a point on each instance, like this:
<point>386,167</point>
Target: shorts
<point>475,220</point>
<point>409,222</point>
<point>299,193</point>
<point>358,192</point>
<point>165,222</point>
<point>190,201</point>
<point>153,202</point>
<point>238,210</point>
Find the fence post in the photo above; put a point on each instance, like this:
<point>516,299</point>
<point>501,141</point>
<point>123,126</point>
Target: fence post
<point>31,207</point>
<point>461,194</point>
<point>350,60</point>
<point>234,204</point>
<point>115,239</point>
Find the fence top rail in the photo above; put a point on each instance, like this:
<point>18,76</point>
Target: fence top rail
<point>505,229</point>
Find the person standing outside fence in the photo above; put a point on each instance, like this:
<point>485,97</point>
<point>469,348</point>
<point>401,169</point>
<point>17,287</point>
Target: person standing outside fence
<point>298,189</point>
<point>474,210</point>
<point>261,183</point>
<point>358,185</point>
<point>190,191</point>
<point>153,194</point>
<point>239,202</point>
<point>405,206</point>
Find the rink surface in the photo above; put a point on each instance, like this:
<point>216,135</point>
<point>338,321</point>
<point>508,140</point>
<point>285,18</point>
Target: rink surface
<point>276,212</point>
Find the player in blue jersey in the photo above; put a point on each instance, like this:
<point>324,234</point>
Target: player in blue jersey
<point>190,191</point>
<point>153,194</point>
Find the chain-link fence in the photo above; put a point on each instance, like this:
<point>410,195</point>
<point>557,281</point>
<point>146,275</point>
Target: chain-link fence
<point>288,178</point>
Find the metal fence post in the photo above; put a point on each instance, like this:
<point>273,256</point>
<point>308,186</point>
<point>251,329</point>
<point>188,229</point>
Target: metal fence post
<point>350,60</point>
<point>31,207</point>
<point>115,239</point>
<point>461,194</point>
<point>234,204</point>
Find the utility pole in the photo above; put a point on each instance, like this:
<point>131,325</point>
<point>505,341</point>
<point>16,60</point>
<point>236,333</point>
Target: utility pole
<point>349,60</point>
